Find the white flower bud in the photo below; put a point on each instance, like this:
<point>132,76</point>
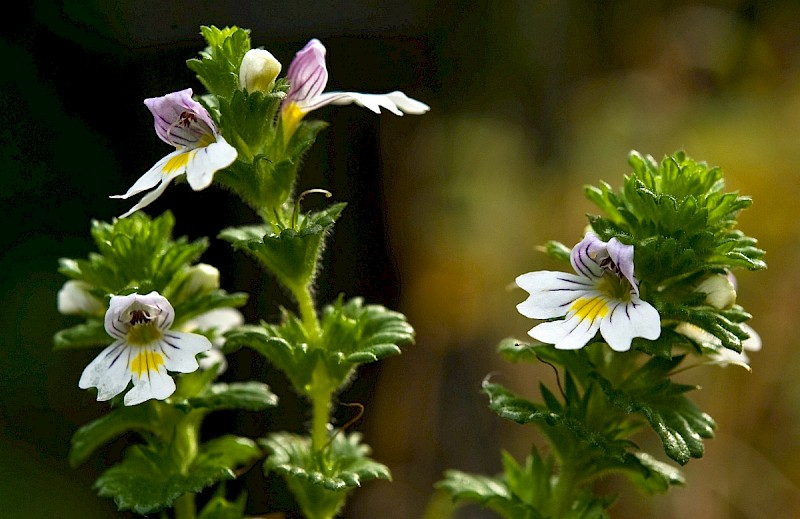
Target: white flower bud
<point>720,292</point>
<point>258,71</point>
<point>201,278</point>
<point>74,298</point>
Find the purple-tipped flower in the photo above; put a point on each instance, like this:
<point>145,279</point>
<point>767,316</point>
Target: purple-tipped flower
<point>144,348</point>
<point>308,76</point>
<point>603,295</point>
<point>200,150</point>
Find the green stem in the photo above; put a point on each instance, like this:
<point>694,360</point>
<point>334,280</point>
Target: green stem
<point>185,507</point>
<point>308,313</point>
<point>320,393</point>
<point>564,492</point>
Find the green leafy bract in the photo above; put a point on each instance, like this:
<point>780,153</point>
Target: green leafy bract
<point>142,418</point>
<point>521,492</point>
<point>320,480</point>
<point>291,254</point>
<point>353,334</point>
<point>218,66</point>
<point>138,254</point>
<point>150,479</point>
<point>252,396</point>
<point>682,225</point>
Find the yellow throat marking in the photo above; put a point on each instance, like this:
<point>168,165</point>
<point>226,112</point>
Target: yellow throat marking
<point>146,361</point>
<point>589,308</point>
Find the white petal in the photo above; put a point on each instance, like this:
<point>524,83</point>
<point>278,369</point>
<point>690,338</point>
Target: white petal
<point>204,162</point>
<point>153,176</point>
<point>221,319</point>
<point>551,293</point>
<point>395,102</point>
<point>108,372</point>
<point>74,298</point>
<point>148,199</point>
<point>179,350</point>
<point>156,384</point>
<point>149,374</point>
<point>754,342</point>
<point>567,334</point>
<point>212,358</point>
<point>636,318</point>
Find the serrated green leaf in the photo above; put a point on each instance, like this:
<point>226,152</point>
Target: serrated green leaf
<point>85,335</point>
<point>98,432</point>
<point>218,66</point>
<point>352,333</point>
<point>679,423</point>
<point>252,396</point>
<point>320,480</point>
<point>147,480</point>
<point>291,254</point>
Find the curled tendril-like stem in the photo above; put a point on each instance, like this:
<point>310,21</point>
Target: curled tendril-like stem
<point>296,211</point>
<point>347,424</point>
<point>558,376</point>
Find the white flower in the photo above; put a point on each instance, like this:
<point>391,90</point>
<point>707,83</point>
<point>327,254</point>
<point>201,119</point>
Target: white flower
<point>722,356</point>
<point>143,350</point>
<point>308,76</point>
<point>74,298</point>
<point>220,320</point>
<point>200,279</point>
<point>719,290</point>
<point>603,295</point>
<point>200,151</point>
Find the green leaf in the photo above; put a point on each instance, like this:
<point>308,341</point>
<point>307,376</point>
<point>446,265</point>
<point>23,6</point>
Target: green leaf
<point>352,333</point>
<point>110,426</point>
<point>291,254</point>
<point>679,423</point>
<point>557,250</point>
<point>85,335</point>
<point>320,480</point>
<point>218,66</point>
<point>220,508</point>
<point>522,491</point>
<point>147,480</point>
<point>252,396</point>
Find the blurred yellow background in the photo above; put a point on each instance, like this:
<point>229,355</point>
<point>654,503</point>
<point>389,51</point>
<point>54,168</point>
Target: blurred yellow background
<point>530,102</point>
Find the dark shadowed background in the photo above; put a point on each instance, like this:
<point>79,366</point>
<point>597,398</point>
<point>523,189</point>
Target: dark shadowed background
<point>530,101</point>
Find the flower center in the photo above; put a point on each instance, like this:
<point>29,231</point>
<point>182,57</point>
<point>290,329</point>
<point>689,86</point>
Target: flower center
<point>615,286</point>
<point>143,329</point>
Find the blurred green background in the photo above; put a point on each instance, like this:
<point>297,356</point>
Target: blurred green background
<point>530,101</point>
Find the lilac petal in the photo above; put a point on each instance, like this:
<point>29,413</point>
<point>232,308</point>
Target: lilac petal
<point>180,348</point>
<point>204,162</point>
<point>307,73</point>
<point>551,293</point>
<point>636,318</point>
<point>622,256</point>
<point>584,256</point>
<point>180,120</point>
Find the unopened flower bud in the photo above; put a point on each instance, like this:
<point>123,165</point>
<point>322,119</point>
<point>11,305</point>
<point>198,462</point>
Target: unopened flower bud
<point>258,71</point>
<point>202,278</point>
<point>74,298</point>
<point>720,292</point>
